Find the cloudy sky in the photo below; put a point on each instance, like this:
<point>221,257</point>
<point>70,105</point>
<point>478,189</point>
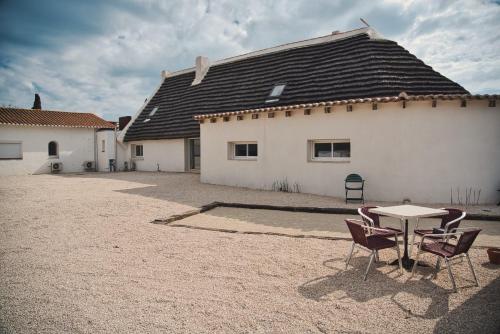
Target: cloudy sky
<point>106,56</point>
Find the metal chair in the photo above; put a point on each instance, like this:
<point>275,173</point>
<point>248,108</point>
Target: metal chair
<point>448,223</point>
<point>371,242</point>
<point>354,182</point>
<point>448,251</point>
<point>373,220</point>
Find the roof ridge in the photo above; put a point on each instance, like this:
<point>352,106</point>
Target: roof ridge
<point>333,37</point>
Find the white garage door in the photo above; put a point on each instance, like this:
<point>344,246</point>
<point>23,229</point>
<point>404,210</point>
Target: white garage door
<point>11,150</point>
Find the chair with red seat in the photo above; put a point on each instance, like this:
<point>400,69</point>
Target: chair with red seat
<point>373,220</point>
<point>371,242</point>
<point>449,222</point>
<point>445,249</point>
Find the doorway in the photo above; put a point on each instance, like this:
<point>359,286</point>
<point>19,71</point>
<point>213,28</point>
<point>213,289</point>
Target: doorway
<point>194,154</point>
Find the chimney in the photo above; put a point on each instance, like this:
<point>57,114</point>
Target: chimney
<point>202,66</point>
<point>123,121</point>
<point>164,74</point>
<point>37,104</point>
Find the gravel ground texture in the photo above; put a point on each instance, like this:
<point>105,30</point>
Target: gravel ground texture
<point>78,254</point>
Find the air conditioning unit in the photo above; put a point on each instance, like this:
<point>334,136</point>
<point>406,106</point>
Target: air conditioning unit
<point>89,166</point>
<point>132,166</point>
<point>56,167</point>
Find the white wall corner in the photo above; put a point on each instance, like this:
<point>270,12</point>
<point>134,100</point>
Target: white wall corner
<point>201,69</point>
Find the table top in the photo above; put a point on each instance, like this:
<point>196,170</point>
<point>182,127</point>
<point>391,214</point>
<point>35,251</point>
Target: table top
<point>408,211</point>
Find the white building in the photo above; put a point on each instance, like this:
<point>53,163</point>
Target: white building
<point>36,141</point>
<point>313,112</point>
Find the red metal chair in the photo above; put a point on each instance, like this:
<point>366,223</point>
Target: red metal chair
<point>444,249</point>
<point>449,222</point>
<point>371,242</point>
<point>373,220</point>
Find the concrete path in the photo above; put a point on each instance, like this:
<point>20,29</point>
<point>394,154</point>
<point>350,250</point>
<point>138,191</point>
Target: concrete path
<point>313,224</point>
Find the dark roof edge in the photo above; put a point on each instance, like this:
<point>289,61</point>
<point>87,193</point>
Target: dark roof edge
<point>123,133</point>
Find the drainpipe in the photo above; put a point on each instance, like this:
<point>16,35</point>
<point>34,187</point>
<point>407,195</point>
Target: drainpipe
<point>116,149</point>
<point>95,151</point>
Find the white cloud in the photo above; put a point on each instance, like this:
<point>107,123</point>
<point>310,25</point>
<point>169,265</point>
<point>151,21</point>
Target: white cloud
<point>112,72</point>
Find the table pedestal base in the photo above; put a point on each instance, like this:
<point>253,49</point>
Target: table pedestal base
<point>408,263</point>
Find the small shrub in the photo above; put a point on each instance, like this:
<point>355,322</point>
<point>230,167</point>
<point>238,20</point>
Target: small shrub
<point>284,186</point>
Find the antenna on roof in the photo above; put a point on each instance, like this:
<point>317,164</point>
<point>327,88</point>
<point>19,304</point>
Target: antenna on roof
<point>362,20</point>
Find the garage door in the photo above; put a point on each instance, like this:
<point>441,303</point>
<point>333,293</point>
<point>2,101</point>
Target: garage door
<point>11,150</point>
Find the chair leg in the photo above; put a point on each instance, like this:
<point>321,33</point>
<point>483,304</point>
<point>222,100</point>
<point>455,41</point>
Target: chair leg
<point>472,268</point>
<point>412,244</point>
<point>413,238</point>
<point>415,264</point>
<point>399,259</point>
<point>369,265</point>
<point>438,267</point>
<point>448,266</point>
<point>350,255</point>
<point>377,259</point>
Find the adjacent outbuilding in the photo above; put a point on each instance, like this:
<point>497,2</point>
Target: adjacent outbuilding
<point>35,141</point>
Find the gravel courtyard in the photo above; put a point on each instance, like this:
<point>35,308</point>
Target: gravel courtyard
<point>78,254</point>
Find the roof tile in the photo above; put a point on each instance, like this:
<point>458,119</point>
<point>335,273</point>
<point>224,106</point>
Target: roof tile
<point>35,117</point>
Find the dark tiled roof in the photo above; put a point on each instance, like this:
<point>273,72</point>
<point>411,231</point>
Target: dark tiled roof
<point>35,117</point>
<point>355,67</point>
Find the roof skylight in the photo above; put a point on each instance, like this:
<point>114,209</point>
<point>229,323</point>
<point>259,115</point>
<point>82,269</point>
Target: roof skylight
<point>155,109</point>
<point>277,90</point>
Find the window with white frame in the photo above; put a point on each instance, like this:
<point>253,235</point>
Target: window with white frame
<point>137,151</point>
<point>11,150</point>
<point>243,150</point>
<point>330,150</point>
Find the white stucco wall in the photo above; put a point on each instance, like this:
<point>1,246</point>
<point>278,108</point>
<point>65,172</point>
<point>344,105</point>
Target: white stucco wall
<point>417,152</point>
<point>109,149</point>
<point>76,145</point>
<point>122,154</point>
<point>168,155</point>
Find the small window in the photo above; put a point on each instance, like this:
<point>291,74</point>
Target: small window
<point>330,150</point>
<point>53,150</point>
<point>137,151</point>
<point>243,150</point>
<point>11,150</point>
<point>155,109</point>
<point>277,90</point>
<point>103,145</point>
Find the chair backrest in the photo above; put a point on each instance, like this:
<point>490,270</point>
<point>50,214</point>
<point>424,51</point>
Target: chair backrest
<point>355,178</point>
<point>466,240</point>
<point>454,217</point>
<point>369,217</point>
<point>357,232</point>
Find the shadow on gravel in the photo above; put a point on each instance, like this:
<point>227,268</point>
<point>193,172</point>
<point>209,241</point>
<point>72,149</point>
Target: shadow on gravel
<point>479,314</point>
<point>350,284</point>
